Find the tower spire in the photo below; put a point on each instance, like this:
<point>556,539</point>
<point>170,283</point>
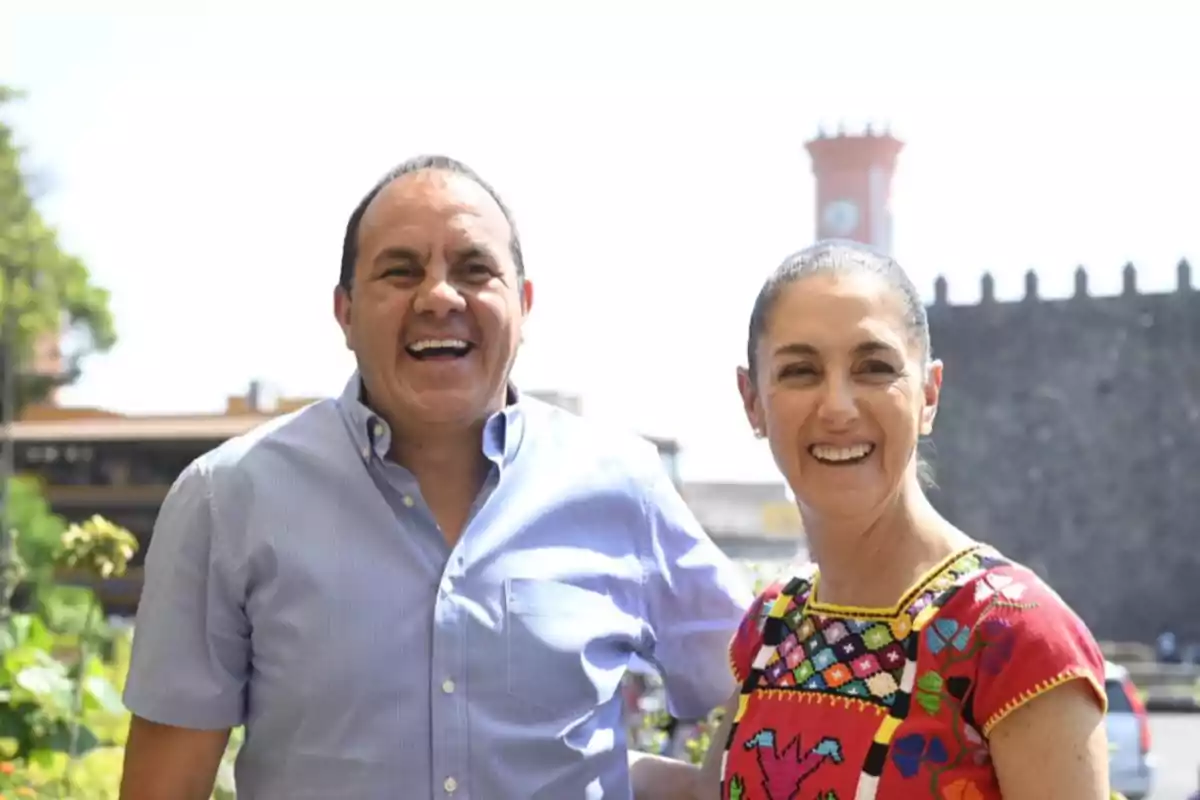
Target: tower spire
<point>854,185</point>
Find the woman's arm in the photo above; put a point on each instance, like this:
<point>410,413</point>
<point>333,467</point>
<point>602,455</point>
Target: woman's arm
<point>1054,747</point>
<point>658,778</point>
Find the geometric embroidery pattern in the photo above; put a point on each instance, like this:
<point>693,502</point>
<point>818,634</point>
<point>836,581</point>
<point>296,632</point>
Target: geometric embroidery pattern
<point>917,723</point>
<point>860,659</point>
<point>870,658</point>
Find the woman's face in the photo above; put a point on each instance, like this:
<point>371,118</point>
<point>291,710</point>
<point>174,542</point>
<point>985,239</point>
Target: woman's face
<point>841,392</point>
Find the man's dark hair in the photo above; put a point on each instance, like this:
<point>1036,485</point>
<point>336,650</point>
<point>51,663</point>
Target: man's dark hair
<point>418,164</point>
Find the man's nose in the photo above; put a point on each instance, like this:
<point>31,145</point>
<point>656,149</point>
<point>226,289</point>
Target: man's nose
<point>438,296</point>
<point>838,406</point>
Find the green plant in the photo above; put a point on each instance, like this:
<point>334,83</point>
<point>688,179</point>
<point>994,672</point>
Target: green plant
<point>62,722</point>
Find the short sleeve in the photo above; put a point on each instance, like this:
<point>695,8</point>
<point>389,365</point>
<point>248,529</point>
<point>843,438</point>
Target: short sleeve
<point>1031,642</point>
<point>191,639</point>
<point>748,638</point>
<point>695,598</point>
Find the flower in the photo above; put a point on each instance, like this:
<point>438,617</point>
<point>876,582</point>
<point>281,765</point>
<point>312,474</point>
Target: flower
<point>98,547</point>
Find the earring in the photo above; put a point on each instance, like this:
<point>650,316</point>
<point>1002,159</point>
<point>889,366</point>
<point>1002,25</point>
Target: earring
<point>759,433</point>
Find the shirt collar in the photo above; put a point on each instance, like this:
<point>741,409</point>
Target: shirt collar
<point>502,433</point>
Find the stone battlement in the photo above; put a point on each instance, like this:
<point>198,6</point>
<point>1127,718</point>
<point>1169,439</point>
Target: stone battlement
<point>1183,285</point>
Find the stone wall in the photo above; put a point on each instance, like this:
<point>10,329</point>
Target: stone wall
<point>1069,437</point>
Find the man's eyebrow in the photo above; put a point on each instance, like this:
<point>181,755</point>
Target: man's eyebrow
<point>796,349</point>
<point>393,254</point>
<point>473,251</point>
<point>873,346</point>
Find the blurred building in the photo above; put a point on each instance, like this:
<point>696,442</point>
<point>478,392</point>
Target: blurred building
<point>92,461</point>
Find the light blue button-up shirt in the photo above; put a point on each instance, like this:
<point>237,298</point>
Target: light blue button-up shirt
<point>297,583</point>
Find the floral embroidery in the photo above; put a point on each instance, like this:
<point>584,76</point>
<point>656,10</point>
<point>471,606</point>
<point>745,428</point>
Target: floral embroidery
<point>963,789</point>
<point>951,659</point>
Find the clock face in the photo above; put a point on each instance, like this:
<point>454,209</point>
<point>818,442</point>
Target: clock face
<point>840,218</point>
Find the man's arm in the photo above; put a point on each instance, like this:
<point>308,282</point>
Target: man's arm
<point>190,651</point>
<point>658,778</point>
<point>695,600</point>
<point>165,761</point>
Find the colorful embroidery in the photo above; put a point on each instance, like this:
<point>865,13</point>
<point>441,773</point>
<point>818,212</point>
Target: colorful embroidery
<point>785,771</point>
<point>988,639</point>
<point>857,658</point>
<point>972,642</point>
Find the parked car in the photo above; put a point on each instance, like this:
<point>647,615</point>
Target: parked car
<point>1131,759</point>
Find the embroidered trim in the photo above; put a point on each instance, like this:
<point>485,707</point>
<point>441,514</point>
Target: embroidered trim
<point>1039,689</point>
<point>916,590</point>
<point>822,699</point>
<point>942,582</point>
<point>733,665</point>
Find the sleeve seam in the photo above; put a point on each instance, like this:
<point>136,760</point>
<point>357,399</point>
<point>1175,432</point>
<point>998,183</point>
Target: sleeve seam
<point>1040,688</point>
<point>733,663</point>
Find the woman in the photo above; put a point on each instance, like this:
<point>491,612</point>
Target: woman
<point>908,661</point>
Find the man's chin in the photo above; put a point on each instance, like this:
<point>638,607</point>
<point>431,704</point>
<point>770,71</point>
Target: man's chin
<point>448,406</point>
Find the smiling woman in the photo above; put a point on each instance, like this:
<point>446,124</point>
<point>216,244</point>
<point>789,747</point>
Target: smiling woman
<point>928,664</point>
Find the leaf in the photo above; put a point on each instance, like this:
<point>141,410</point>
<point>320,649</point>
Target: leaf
<point>48,759</point>
<point>45,681</point>
<point>931,682</point>
<point>104,695</point>
<point>58,740</point>
<point>932,703</point>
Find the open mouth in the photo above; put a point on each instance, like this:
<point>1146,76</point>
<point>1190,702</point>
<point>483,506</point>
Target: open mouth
<point>841,456</point>
<point>439,349</point>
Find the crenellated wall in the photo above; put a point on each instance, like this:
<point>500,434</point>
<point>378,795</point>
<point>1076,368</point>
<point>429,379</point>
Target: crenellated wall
<point>1069,436</point>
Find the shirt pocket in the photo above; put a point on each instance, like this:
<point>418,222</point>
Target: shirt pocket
<point>556,634</point>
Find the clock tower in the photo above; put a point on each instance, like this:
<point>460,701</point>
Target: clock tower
<point>854,186</point>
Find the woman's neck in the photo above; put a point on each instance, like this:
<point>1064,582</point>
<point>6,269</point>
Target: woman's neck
<point>872,561</point>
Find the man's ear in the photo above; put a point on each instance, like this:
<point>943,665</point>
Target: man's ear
<point>341,312</point>
<point>526,296</point>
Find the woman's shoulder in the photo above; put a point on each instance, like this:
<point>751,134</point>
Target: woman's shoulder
<point>995,580</point>
<point>1021,636</point>
<point>778,598</point>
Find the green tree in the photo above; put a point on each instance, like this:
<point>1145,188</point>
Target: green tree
<point>51,291</point>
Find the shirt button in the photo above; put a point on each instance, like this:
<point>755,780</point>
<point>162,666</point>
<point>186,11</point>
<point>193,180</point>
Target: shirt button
<point>450,785</point>
<point>448,686</point>
<point>366,451</point>
<point>408,501</point>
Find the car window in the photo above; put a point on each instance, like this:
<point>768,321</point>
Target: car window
<point>1118,701</point>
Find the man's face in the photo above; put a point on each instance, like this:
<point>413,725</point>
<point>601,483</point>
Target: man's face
<point>435,311</point>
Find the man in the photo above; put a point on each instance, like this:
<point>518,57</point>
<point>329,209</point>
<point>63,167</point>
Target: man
<point>431,586</point>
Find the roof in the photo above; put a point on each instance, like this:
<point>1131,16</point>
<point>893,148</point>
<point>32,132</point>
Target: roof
<point>93,425</point>
<point>116,429</point>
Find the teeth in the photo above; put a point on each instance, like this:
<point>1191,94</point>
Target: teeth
<point>827,453</point>
<point>428,344</point>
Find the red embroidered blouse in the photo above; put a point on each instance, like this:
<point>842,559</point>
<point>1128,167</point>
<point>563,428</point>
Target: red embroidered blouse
<point>846,703</point>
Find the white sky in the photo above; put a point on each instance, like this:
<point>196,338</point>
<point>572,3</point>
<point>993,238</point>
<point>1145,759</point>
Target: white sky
<point>204,166</point>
